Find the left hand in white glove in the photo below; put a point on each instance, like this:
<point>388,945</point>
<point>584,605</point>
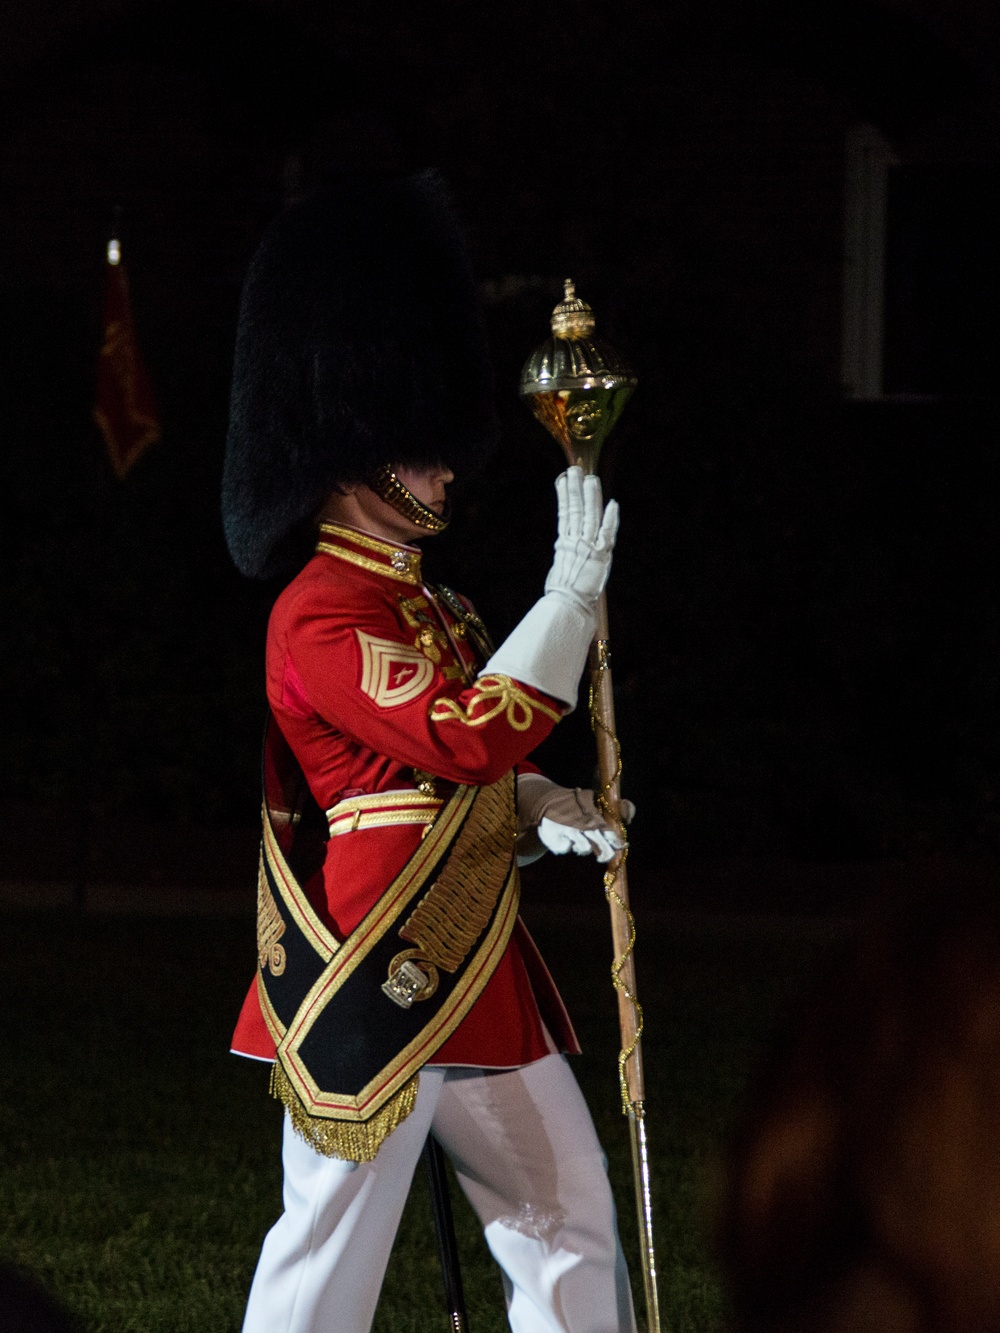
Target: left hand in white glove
<point>561,820</point>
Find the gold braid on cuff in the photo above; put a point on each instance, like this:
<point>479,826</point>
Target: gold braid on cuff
<point>388,487</point>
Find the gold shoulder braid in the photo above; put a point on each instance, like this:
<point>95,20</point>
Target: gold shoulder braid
<point>401,983</point>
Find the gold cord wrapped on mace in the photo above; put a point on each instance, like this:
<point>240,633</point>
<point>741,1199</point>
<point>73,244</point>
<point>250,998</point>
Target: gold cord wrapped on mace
<point>577,388</point>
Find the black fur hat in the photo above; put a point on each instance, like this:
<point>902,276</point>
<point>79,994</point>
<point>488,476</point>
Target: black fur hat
<point>360,342</point>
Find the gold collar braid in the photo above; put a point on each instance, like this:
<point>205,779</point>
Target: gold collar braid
<point>389,488</point>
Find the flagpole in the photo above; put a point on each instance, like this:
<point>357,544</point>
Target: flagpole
<point>91,569</point>
<point>82,786</point>
<point>127,417</point>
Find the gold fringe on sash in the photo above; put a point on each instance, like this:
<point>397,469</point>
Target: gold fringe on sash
<point>350,1140</point>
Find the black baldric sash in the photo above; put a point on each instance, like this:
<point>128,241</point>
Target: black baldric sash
<point>354,1020</point>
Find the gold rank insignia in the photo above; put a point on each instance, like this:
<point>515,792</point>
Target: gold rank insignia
<point>392,673</point>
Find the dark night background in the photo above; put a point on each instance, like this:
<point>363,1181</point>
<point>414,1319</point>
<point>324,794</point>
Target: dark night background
<point>804,603</point>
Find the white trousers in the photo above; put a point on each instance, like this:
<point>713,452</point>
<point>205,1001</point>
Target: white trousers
<point>527,1158</point>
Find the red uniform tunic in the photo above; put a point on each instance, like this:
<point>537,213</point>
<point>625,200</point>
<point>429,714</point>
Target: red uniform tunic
<point>370,677</point>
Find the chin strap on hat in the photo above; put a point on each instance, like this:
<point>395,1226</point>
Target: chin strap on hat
<point>389,488</point>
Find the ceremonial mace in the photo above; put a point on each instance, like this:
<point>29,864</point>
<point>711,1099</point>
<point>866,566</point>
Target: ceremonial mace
<point>577,388</point>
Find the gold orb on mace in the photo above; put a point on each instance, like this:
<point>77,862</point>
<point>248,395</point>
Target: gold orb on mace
<point>576,384</point>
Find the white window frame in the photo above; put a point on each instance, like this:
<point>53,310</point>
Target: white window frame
<point>868,155</point>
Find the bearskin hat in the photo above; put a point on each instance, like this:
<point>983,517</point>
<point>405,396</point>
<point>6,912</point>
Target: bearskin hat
<point>360,342</point>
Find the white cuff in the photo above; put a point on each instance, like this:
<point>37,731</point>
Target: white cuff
<point>529,847</point>
<point>548,648</point>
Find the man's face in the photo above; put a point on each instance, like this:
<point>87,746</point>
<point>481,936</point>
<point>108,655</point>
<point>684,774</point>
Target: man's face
<point>365,509</point>
<point>427,484</point>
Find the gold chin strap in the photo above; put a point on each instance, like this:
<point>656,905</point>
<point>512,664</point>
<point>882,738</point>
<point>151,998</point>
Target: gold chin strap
<point>388,487</point>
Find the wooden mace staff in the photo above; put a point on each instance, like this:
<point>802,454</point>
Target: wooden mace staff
<point>577,388</point>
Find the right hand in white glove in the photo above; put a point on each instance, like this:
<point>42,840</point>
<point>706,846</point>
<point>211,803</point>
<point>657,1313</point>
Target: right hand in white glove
<point>548,648</point>
<point>563,819</point>
<point>585,539</point>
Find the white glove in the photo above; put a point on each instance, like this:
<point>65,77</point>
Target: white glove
<point>586,538</point>
<point>548,648</point>
<point>563,819</point>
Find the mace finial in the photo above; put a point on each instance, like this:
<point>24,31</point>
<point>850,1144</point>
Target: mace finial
<point>572,318</point>
<point>577,386</point>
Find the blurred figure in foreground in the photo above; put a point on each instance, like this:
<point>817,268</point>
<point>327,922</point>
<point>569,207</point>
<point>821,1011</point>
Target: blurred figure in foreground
<point>25,1308</point>
<point>864,1187</point>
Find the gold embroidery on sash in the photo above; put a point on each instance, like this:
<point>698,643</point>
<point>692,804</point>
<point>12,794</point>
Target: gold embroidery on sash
<point>456,909</point>
<point>270,926</point>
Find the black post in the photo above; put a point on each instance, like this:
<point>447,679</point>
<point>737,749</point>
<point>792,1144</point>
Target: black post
<point>93,564</point>
<point>91,620</point>
<point>84,748</point>
<point>444,1225</point>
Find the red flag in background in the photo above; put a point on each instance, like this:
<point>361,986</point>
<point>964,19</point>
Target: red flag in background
<point>125,408</point>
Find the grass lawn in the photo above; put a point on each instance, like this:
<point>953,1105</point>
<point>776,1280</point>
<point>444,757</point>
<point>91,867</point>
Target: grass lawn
<point>139,1162</point>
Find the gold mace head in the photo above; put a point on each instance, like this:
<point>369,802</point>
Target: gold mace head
<point>576,385</point>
